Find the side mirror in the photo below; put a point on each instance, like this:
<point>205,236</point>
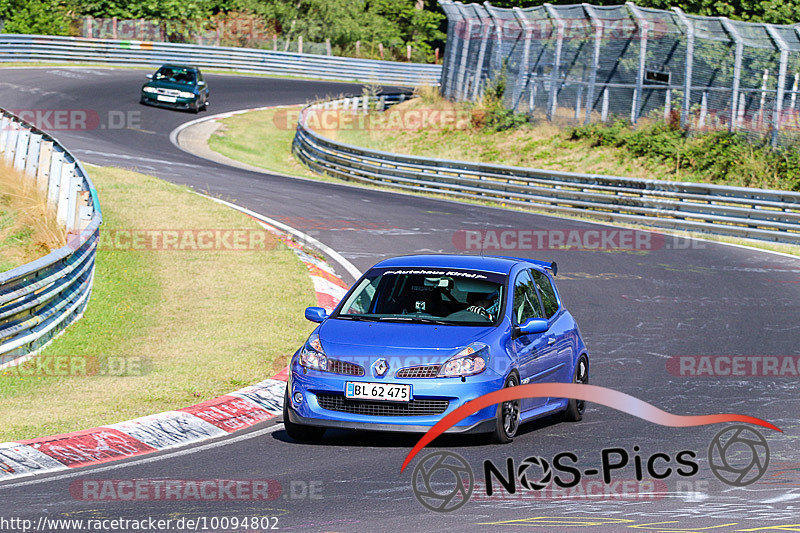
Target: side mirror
<point>532,325</point>
<point>316,314</point>
<point>148,76</point>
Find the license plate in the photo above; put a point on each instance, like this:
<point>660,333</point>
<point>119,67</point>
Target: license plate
<point>162,98</point>
<point>377,391</point>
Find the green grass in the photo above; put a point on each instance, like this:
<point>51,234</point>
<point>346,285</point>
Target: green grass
<point>203,323</point>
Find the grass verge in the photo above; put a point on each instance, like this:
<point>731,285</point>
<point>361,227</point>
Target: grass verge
<point>182,326</point>
<point>28,229</point>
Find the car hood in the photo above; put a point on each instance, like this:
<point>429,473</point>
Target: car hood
<point>170,85</point>
<point>343,338</point>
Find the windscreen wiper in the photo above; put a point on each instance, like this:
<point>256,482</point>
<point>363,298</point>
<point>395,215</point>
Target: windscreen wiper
<point>420,320</point>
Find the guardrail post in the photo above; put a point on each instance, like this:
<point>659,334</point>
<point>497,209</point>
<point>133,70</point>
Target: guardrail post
<point>688,64</point>
<point>552,101</point>
<point>11,141</point>
<point>65,191</point>
<point>783,46</point>
<point>5,124</point>
<point>604,107</point>
<point>643,27</point>
<point>43,167</point>
<point>32,159</point>
<point>733,33</point>
<point>54,178</point>
<point>523,76</point>
<point>597,24</point>
<point>72,198</point>
<point>21,150</point>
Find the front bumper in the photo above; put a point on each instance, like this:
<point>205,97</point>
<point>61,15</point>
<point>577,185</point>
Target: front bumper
<point>179,103</point>
<point>457,393</point>
<point>484,426</point>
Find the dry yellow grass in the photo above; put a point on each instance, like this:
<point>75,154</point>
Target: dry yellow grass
<point>204,322</point>
<point>28,229</point>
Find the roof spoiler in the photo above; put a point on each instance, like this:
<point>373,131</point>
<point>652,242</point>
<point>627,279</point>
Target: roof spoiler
<point>551,266</point>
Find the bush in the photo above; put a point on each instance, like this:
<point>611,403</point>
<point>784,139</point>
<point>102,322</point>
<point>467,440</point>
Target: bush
<point>716,157</point>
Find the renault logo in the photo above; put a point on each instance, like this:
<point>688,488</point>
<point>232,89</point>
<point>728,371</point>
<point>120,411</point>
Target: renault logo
<point>380,367</point>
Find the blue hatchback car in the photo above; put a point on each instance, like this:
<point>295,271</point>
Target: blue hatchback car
<point>418,336</point>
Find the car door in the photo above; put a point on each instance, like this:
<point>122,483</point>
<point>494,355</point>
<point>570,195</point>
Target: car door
<point>559,353</point>
<point>528,349</point>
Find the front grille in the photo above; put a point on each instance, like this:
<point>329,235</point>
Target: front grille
<point>424,371</point>
<point>343,367</point>
<point>168,92</point>
<point>337,402</point>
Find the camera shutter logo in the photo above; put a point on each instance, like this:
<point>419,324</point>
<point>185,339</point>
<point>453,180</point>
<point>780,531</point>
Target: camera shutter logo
<point>738,455</point>
<point>524,470</point>
<point>450,474</point>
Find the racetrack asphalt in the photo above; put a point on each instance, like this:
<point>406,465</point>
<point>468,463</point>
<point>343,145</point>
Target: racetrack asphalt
<point>636,309</point>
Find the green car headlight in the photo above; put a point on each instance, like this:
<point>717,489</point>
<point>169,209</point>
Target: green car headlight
<point>149,89</point>
<point>184,94</point>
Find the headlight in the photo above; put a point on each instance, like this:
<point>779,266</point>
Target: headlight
<point>469,361</point>
<point>312,355</point>
<point>184,94</point>
<point>149,89</point>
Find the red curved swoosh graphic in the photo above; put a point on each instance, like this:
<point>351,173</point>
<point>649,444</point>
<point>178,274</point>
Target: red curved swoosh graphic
<point>590,393</point>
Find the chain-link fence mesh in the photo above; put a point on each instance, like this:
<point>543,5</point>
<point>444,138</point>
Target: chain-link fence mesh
<point>585,63</point>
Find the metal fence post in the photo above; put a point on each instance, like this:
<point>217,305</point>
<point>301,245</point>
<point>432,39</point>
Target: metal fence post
<point>486,25</point>
<point>523,77</point>
<point>497,49</point>
<point>783,46</point>
<point>688,64</point>
<point>462,68</point>
<point>733,33</point>
<point>644,29</point>
<point>552,100</point>
<point>597,24</point>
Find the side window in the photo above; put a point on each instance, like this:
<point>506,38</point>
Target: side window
<point>548,294</point>
<point>199,76</point>
<point>526,303</point>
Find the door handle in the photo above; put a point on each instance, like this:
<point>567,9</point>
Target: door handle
<point>551,340</point>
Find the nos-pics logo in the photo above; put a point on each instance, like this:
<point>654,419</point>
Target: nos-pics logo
<point>443,481</point>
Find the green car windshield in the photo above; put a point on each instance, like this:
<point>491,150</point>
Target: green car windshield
<point>431,296</point>
<point>175,75</point>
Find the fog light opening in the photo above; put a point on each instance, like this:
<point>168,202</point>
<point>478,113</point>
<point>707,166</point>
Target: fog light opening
<point>298,398</point>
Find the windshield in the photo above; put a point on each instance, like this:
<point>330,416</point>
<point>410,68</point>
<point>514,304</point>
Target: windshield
<point>433,296</point>
<point>175,75</point>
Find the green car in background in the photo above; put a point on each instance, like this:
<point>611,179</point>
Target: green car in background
<point>176,86</point>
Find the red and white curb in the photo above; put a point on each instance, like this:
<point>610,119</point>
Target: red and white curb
<point>214,418</point>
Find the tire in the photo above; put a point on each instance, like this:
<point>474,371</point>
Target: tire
<point>195,109</point>
<point>507,419</point>
<point>299,432</point>
<point>575,408</point>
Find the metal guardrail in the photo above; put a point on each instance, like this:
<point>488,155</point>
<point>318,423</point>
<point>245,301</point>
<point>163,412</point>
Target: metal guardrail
<point>38,300</point>
<point>17,48</point>
<point>736,211</point>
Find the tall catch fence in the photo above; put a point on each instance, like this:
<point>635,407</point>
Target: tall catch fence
<point>589,63</point>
